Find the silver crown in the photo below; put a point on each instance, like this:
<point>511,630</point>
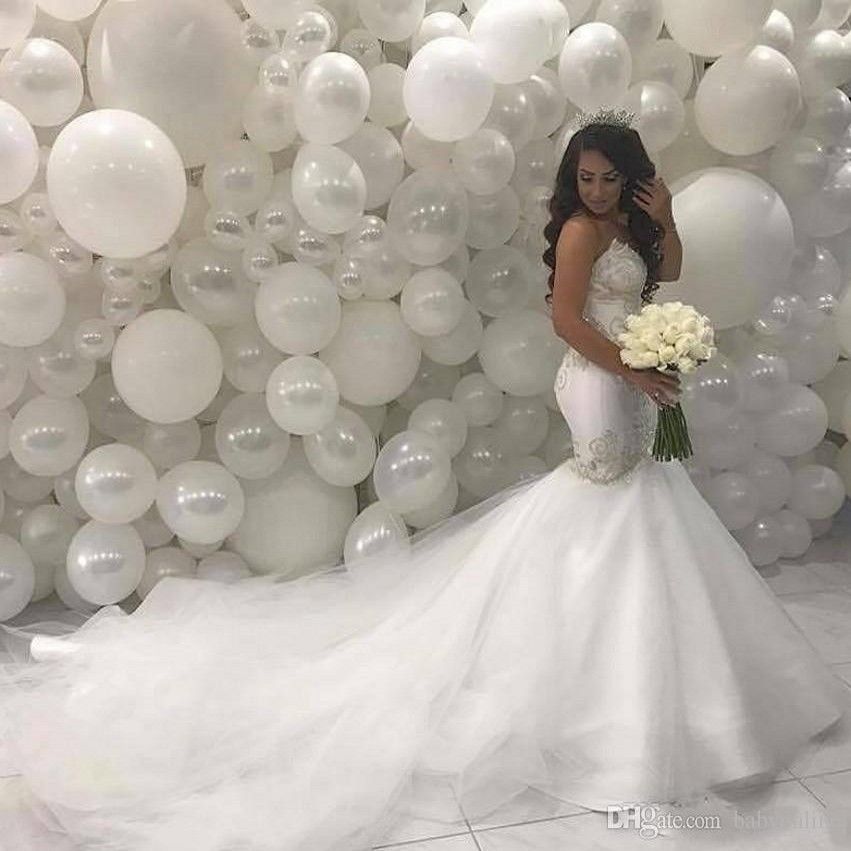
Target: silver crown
<point>614,117</point>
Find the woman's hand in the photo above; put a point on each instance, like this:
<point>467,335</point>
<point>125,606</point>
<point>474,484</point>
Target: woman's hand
<point>654,197</point>
<point>662,387</point>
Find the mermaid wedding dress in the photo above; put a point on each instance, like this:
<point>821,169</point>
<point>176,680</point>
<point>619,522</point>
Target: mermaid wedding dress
<point>593,632</point>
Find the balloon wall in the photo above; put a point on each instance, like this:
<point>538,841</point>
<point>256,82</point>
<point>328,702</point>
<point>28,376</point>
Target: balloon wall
<point>271,290</point>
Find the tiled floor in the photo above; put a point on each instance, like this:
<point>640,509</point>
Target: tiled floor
<point>808,808</point>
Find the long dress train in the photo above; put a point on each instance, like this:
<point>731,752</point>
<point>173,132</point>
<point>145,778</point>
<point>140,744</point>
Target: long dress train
<point>594,632</point>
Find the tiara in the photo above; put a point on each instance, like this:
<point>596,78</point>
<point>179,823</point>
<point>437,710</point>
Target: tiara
<point>614,117</point>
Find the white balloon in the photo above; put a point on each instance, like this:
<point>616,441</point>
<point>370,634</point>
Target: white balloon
<point>179,63</point>
<point>105,562</point>
<point>332,98</point>
<point>659,110</point>
<point>115,483</point>
<point>200,501</point>
<point>249,442</point>
<point>32,301</point>
<point>376,530</point>
<point>302,395</point>
<point>167,366</point>
<point>379,156</point>
<point>116,183</point>
<point>411,470</point>
<point>162,562</point>
<point>343,452</point>
<point>448,90</point>
<point>392,20</point>
<point>48,436</point>
<point>223,566</point>
<point>238,176</point>
<point>386,105</point>
<point>432,302</point>
<point>17,577</point>
<point>595,65</point>
<point>16,21</point>
<point>702,28</point>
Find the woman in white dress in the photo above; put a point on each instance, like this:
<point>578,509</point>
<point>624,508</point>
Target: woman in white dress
<point>593,632</point>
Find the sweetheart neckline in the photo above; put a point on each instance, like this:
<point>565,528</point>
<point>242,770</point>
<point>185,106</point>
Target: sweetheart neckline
<point>620,242</point>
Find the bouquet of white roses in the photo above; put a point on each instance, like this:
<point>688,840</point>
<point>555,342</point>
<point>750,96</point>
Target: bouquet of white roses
<point>671,336</point>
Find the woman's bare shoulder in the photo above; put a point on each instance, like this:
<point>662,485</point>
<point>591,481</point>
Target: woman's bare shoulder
<point>582,227</point>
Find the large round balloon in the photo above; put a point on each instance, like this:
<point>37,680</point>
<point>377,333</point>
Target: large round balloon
<point>701,27</point>
<point>18,153</point>
<point>738,244</point>
<point>595,65</point>
<point>448,90</point>
<point>116,183</point>
<point>167,366</point>
<point>180,63</point>
<point>32,301</point>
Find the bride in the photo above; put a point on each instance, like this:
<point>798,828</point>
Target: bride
<point>593,632</point>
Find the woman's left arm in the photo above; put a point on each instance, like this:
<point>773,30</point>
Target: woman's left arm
<point>654,197</point>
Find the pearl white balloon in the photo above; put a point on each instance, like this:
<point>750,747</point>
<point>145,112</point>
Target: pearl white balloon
<point>105,562</point>
<point>343,452</point>
<point>485,465</point>
<point>795,533</point>
<point>328,187</point>
<point>332,98</point>
<point>302,395</point>
<point>116,183</point>
<point>479,398</point>
<point>294,520</point>
<point>379,156</point>
<point>734,499</point>
<point>659,110</point>
<point>238,176</point>
<point>702,28</point>
<point>448,90</point>
<point>16,21</point>
<point>484,163</point>
<point>46,533</point>
<point>48,436</point>
<point>595,66</point>
<point>222,566</point>
<point>376,531</point>
<point>17,577</point>
<point>386,106</point>
<point>42,79</point>
<point>162,562</point>
<point>32,301</point>
<point>411,470</point>
<point>200,501</point>
<point>374,355</point>
<point>762,540</point>
<point>817,492</point>
<point>167,366</point>
<point>795,424</point>
<point>444,420</point>
<point>249,442</point>
<point>179,63</point>
<point>460,344</point>
<point>115,483</point>
<point>297,308</point>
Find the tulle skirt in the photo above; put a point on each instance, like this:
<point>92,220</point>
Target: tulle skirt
<point>608,644</point>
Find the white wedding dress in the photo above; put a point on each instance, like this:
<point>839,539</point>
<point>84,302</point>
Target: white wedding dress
<point>594,632</point>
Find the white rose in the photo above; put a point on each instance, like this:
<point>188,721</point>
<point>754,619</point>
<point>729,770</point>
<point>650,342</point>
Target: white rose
<point>646,359</point>
<point>683,344</point>
<point>672,333</point>
<point>687,365</point>
<point>667,354</point>
<point>651,340</point>
<point>689,324</point>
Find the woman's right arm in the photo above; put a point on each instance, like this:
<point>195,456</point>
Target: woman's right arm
<point>576,251</point>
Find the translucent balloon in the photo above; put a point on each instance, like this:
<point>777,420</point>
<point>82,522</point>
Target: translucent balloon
<point>485,465</point>
<point>116,183</point>
<point>822,59</point>
<point>49,436</point>
<point>421,152</point>
<point>109,412</point>
<point>374,355</point>
<point>828,116</point>
<point>46,533</point>
<point>209,283</point>
<point>302,395</point>
<point>697,26</point>
<point>749,221</point>
<point>796,423</point>
<point>762,375</point>
<point>438,25</point>
<point>42,79</point>
<point>269,118</point>
<point>728,444</point>
<point>493,218</point>
<point>105,562</point>
<point>332,98</point>
<point>294,520</point>
<point>798,165</point>
<point>638,21</point>
<point>115,483</point>
<point>386,105</point>
<point>311,32</point>
<point>13,374</point>
<point>512,113</point>
<point>364,47</point>
<point>762,540</point>
<point>162,562</point>
<point>222,566</point>
<point>57,368</point>
<point>329,188</point>
<point>32,301</point>
<point>817,492</point>
<point>484,163</point>
<point>499,281</point>
<point>392,21</point>
<point>659,111</point>
<point>379,157</point>
<point>479,398</point>
<point>523,423</point>
<point>448,90</point>
<point>22,487</point>
<point>17,576</point>
<point>248,357</point>
<point>428,216</point>
<point>343,452</point>
<point>747,100</point>
<point>432,302</point>
<point>200,501</point>
<point>376,530</point>
<point>179,63</point>
<point>151,364</point>
<point>249,442</point>
<point>543,89</point>
<point>734,499</point>
<point>297,309</point>
<point>827,211</point>
<point>16,21</point>
<point>433,380</point>
<point>595,66</point>
<point>514,38</point>
<point>460,344</point>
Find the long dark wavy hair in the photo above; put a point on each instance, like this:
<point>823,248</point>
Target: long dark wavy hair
<point>623,147</point>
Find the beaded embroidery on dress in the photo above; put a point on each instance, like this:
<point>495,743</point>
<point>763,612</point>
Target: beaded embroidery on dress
<point>612,423</point>
<point>606,645</point>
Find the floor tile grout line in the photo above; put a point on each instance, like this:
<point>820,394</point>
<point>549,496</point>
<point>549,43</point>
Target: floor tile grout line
<point>807,788</point>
